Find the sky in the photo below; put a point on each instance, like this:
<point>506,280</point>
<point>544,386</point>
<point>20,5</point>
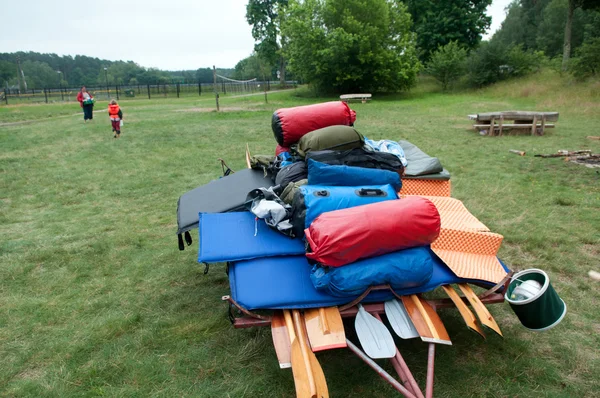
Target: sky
<point>166,34</point>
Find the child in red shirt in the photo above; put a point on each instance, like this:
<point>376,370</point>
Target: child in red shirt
<point>116,115</point>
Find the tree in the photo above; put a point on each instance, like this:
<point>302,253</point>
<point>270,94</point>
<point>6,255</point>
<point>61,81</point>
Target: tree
<point>263,15</point>
<point>573,4</point>
<point>447,63</point>
<point>350,45</point>
<point>437,23</point>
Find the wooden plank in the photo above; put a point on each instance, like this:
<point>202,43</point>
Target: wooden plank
<point>516,115</point>
<point>492,127</point>
<point>534,125</point>
<point>543,124</point>
<point>355,96</point>
<point>513,125</point>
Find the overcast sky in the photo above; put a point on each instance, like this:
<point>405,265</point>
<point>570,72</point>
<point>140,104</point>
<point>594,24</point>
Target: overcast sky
<point>166,34</point>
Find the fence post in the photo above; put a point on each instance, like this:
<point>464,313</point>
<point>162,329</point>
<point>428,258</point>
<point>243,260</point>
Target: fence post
<point>177,90</point>
<point>46,94</point>
<point>5,97</point>
<point>148,91</point>
<point>199,89</point>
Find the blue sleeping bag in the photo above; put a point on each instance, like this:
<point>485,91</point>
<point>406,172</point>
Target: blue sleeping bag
<point>340,175</point>
<point>310,201</point>
<point>403,269</point>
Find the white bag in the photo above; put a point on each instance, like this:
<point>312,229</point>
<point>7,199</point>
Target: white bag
<point>121,124</point>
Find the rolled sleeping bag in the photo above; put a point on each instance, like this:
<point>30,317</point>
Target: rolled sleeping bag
<point>280,149</point>
<point>404,269</point>
<point>333,175</point>
<point>310,201</point>
<point>341,237</point>
<point>333,137</point>
<point>290,124</point>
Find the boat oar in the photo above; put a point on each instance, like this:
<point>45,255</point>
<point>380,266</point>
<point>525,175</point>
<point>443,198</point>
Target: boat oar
<point>303,380</point>
<point>426,320</point>
<point>281,340</point>
<point>464,310</point>
<point>399,319</point>
<point>482,312</point>
<point>374,337</point>
<point>313,366</point>
<point>325,328</point>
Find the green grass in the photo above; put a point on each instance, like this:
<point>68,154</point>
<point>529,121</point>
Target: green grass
<point>96,299</point>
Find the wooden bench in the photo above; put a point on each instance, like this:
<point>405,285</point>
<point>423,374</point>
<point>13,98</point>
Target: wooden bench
<point>494,122</point>
<point>358,97</point>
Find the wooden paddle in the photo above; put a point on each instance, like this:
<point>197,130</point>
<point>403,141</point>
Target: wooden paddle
<point>303,380</point>
<point>313,363</point>
<point>325,328</point>
<point>248,157</point>
<point>281,340</point>
<point>427,322</point>
<point>482,312</point>
<point>464,310</point>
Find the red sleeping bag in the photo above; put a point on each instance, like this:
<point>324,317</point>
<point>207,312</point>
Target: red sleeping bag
<point>342,237</point>
<point>290,124</point>
<point>280,149</point>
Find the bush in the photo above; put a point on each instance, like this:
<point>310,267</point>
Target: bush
<point>586,62</point>
<point>447,63</point>
<point>522,62</point>
<point>493,62</point>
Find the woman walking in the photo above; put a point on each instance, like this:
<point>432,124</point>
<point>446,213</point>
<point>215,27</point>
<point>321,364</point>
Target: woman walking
<point>86,101</point>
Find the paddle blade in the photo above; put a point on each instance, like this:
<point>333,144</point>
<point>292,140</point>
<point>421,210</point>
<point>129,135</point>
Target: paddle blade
<point>464,310</point>
<point>299,370</point>
<point>314,365</point>
<point>440,331</point>
<point>325,328</point>
<point>417,319</point>
<point>399,320</point>
<point>374,337</point>
<point>482,312</point>
<point>281,340</point>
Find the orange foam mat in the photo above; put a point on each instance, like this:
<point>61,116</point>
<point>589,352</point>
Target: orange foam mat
<point>465,244</point>
<point>425,187</point>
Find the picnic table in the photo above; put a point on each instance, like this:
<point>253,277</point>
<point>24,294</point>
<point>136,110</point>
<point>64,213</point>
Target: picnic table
<point>496,122</point>
<point>359,97</point>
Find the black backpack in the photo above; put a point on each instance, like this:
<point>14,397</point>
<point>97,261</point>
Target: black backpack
<point>359,157</point>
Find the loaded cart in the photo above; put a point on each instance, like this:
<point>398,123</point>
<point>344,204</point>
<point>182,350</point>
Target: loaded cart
<point>359,232</point>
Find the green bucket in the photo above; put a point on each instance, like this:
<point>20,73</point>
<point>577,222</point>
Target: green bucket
<point>542,311</point>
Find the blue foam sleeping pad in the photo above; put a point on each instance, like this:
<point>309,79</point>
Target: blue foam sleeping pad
<point>284,282</point>
<point>230,237</point>
<point>340,175</point>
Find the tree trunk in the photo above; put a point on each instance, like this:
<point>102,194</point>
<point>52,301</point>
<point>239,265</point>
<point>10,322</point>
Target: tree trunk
<point>567,43</point>
<point>281,72</point>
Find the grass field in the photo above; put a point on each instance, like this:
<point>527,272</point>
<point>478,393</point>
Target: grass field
<point>97,300</point>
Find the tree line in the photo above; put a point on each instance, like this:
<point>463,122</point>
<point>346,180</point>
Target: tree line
<point>36,71</point>
<point>382,45</point>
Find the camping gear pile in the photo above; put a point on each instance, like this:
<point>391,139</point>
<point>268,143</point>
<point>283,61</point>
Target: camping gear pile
<point>335,225</point>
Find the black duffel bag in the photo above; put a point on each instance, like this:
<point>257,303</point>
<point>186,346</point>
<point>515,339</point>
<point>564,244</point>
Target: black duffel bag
<point>359,157</point>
